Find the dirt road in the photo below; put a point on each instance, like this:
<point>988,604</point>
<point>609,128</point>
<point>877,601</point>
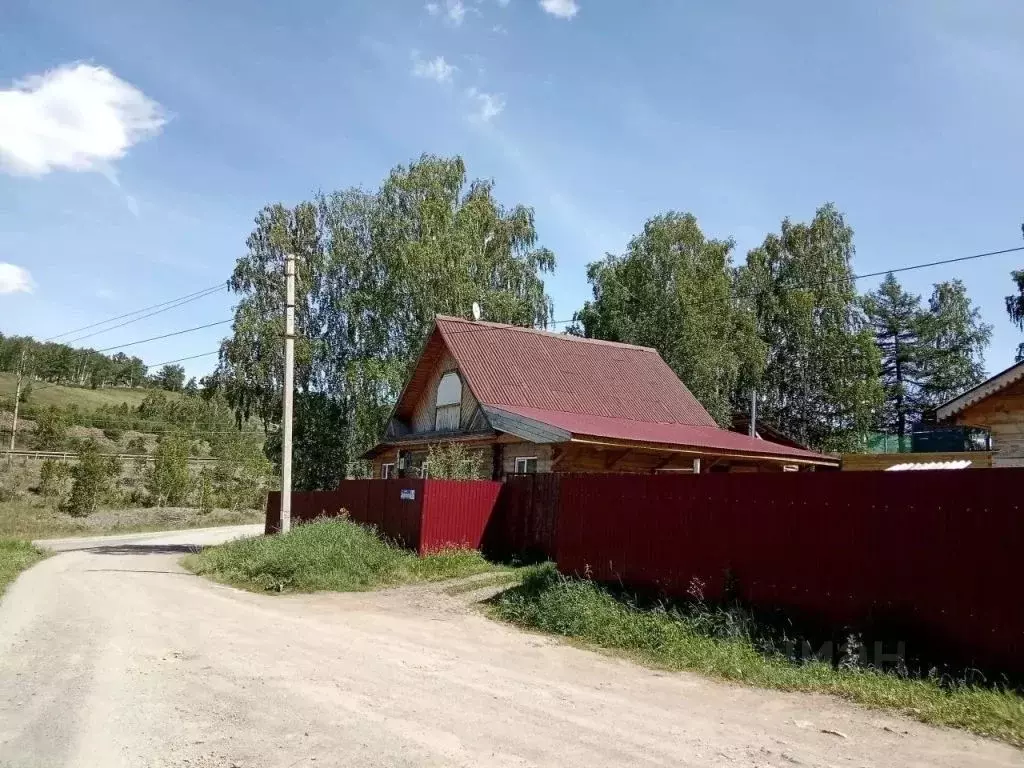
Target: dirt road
<point>113,656</point>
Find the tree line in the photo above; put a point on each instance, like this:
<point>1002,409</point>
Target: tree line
<point>786,322</point>
<point>73,366</point>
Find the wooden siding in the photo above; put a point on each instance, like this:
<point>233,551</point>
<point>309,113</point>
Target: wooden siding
<point>511,451</point>
<point>866,462</point>
<point>425,409</point>
<point>1003,415</point>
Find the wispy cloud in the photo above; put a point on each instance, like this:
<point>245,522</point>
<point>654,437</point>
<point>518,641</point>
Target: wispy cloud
<point>486,106</point>
<point>77,117</point>
<point>563,9</point>
<point>436,69</point>
<point>454,10</point>
<point>14,279</point>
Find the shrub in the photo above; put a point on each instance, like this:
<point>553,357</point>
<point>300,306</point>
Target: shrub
<point>53,478</point>
<point>113,434</point>
<point>93,476</point>
<point>454,461</point>
<point>51,429</point>
<point>137,445</point>
<point>168,479</point>
<point>205,491</point>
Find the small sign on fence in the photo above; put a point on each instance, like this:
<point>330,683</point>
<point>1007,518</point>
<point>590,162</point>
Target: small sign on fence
<point>408,494</point>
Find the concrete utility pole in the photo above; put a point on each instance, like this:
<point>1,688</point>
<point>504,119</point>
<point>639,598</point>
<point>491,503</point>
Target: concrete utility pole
<point>289,374</point>
<point>753,413</point>
<point>17,398</point>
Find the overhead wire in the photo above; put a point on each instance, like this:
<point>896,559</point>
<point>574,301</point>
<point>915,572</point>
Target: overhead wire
<point>189,296</point>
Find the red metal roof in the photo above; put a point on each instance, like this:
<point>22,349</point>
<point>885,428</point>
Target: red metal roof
<point>680,435</point>
<point>510,366</point>
<point>586,387</point>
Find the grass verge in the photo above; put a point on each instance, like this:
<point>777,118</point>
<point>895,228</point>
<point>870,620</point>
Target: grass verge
<point>583,611</point>
<point>328,555</point>
<point>15,557</point>
<point>23,519</point>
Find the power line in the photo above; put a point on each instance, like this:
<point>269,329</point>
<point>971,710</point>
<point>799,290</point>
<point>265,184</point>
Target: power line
<point>166,335</point>
<point>196,294</point>
<point>143,317</point>
<point>183,359</point>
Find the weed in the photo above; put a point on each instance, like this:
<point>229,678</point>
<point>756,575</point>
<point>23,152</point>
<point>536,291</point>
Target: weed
<point>723,648</point>
<point>334,554</point>
<point>16,556</point>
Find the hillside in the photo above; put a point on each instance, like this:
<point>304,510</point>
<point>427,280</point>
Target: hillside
<point>44,394</point>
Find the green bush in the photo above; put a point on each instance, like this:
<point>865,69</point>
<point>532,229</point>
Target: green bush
<point>168,479</point>
<point>51,429</point>
<point>113,434</point>
<point>137,446</point>
<point>53,478</point>
<point>454,461</point>
<point>334,554</point>
<point>93,481</point>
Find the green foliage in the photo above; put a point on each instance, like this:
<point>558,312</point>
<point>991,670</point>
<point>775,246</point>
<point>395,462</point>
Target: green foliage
<point>1015,307</point>
<point>898,322</point>
<point>113,434</point>
<point>53,478</point>
<point>15,557</point>
<point>26,392</point>
<point>821,381</point>
<point>454,461</point>
<point>373,268</point>
<point>136,445</point>
<point>334,554</point>
<point>52,428</point>
<point>168,480</point>
<point>721,644</point>
<point>954,344</point>
<point>93,477</point>
<point>206,493</point>
<point>672,290</point>
<point>63,364</point>
<point>242,473</point>
<point>170,377</point>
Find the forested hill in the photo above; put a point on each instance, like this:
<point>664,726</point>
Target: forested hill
<point>58,363</point>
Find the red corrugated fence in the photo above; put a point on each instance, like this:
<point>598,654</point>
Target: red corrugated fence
<point>928,557</point>
<point>424,515</point>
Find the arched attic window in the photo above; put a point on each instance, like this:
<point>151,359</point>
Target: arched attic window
<point>449,403</point>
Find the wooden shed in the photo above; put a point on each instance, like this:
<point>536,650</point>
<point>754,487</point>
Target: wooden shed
<point>998,406</point>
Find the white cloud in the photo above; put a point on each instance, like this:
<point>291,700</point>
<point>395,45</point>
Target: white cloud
<point>563,9</point>
<point>14,279</point>
<point>499,30</point>
<point>77,117</point>
<point>504,3</point>
<point>456,11</point>
<point>488,105</point>
<point>436,69</point>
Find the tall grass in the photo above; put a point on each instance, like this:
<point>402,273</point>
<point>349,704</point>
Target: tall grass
<point>586,612</point>
<point>336,555</point>
<point>16,556</point>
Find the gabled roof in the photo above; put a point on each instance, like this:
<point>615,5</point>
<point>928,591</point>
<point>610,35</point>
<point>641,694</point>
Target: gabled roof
<point>984,390</point>
<point>551,387</point>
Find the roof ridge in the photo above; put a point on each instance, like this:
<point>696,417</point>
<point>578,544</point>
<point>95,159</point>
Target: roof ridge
<point>551,334</point>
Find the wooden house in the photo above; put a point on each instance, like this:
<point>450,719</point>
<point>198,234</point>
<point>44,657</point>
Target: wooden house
<point>998,406</point>
<point>534,401</point>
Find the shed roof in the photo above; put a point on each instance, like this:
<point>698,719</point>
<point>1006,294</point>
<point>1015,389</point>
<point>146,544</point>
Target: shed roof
<point>557,386</point>
<point>980,392</point>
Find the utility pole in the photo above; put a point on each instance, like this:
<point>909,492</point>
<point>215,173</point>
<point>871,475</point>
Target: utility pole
<point>289,374</point>
<point>753,413</point>
<point>17,397</point>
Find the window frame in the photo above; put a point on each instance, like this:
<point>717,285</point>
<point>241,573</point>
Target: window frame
<point>525,460</point>
<point>387,471</point>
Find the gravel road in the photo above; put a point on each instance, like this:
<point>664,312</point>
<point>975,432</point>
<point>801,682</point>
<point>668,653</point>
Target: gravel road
<point>111,655</point>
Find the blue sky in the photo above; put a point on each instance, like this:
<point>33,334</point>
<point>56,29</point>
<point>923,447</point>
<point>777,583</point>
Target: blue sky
<point>598,113</point>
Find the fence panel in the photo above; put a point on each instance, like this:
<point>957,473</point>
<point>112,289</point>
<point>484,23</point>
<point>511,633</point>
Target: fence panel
<point>524,520</point>
<point>926,557</point>
<point>456,513</point>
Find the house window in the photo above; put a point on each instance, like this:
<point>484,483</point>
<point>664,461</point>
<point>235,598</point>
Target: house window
<point>424,469</point>
<point>387,471</point>
<point>449,403</point>
<point>526,465</point>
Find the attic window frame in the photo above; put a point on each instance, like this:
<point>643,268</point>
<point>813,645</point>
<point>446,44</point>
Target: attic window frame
<point>450,407</point>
